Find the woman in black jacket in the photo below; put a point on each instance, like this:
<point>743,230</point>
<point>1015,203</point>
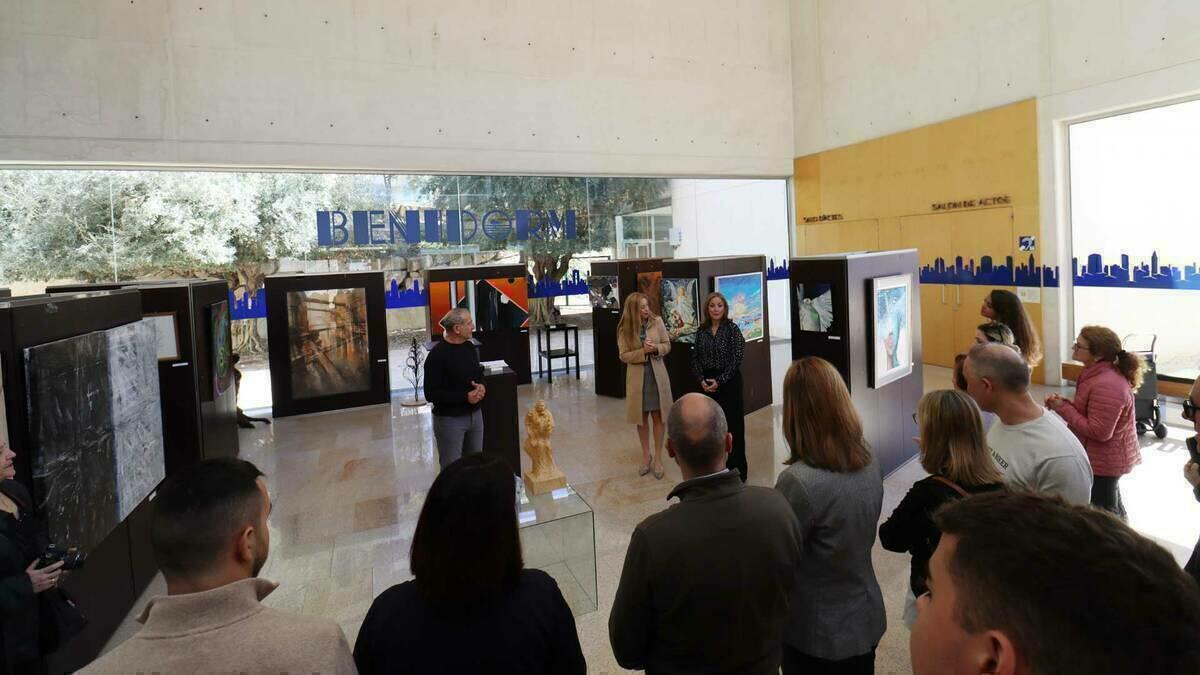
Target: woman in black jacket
<point>954,450</point>
<point>472,607</point>
<point>21,542</point>
<point>717,366</point>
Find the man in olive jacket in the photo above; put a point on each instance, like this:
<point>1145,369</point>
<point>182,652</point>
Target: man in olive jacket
<point>705,583</point>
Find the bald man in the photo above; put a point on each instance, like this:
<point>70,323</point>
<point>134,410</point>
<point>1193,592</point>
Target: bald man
<point>1032,447</point>
<point>706,582</point>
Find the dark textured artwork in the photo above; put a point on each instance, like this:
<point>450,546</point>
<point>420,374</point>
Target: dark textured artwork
<point>96,430</point>
<point>222,347</point>
<point>327,338</point>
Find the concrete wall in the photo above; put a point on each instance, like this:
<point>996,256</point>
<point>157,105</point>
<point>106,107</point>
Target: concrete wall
<point>736,217</point>
<point>662,87</point>
<point>864,68</point>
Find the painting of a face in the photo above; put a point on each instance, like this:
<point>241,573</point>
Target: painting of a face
<point>891,308</point>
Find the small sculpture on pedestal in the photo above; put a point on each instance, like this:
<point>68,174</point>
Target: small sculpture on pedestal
<point>545,475</point>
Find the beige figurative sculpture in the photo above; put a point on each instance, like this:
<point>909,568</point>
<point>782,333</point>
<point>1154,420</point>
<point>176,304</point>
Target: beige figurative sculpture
<point>544,476</point>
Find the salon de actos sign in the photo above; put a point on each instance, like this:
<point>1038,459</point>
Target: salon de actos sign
<point>435,226</point>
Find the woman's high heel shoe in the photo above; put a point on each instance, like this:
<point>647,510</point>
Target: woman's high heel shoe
<point>644,470</point>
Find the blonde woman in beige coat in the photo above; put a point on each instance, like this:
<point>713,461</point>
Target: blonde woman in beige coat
<point>642,339</point>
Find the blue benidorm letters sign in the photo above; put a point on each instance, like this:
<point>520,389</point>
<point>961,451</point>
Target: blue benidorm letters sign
<point>452,226</point>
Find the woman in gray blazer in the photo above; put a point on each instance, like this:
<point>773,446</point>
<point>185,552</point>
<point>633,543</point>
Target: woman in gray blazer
<point>833,483</point>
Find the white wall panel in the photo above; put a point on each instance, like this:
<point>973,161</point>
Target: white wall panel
<point>682,87</point>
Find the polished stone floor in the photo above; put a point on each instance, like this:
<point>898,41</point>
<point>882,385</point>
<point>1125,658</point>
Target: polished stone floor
<point>348,487</point>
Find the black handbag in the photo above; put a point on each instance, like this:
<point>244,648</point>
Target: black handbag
<point>59,619</point>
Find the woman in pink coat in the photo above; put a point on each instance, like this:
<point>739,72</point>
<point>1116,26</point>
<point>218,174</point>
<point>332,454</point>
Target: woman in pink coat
<point>1102,413</point>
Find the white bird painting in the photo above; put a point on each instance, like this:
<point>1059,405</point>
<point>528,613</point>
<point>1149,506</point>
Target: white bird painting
<point>816,313</point>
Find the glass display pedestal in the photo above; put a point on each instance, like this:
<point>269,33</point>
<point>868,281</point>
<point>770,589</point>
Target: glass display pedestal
<point>558,536</point>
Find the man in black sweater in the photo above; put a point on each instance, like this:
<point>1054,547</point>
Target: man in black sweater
<point>453,384</point>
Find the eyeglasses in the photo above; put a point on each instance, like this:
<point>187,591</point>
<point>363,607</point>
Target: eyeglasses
<point>1081,347</point>
<point>915,419</point>
<point>1189,410</point>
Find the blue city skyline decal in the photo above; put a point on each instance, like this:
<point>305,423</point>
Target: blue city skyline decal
<point>777,273</point>
<point>986,273</point>
<point>249,307</point>
<point>1125,275</point>
<point>402,298</point>
<point>572,284</point>
<point>1152,275</point>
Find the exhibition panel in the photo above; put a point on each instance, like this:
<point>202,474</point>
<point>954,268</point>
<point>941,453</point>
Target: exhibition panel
<point>327,340</point>
<point>498,299</point>
<point>639,274</point>
<point>82,414</point>
<point>860,312</point>
<point>193,357</point>
<point>742,280</point>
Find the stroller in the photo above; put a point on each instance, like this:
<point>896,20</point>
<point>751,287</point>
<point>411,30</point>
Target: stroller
<point>1146,408</point>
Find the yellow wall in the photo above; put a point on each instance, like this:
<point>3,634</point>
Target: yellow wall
<point>884,190</point>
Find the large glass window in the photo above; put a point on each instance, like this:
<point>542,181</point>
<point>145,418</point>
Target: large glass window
<point>1135,234</point>
<point>69,226</point>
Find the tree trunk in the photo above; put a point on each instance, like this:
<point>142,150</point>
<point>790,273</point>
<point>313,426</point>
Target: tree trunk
<point>247,340</point>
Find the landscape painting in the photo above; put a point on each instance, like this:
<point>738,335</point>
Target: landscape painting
<point>327,342</point>
<point>679,309</point>
<point>891,312</point>
<point>744,292</point>
<point>95,430</point>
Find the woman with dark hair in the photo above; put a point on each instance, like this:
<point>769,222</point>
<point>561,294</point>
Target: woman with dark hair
<point>717,366</point>
<point>954,450</point>
<point>472,608</point>
<point>21,542</point>
<point>1102,414</point>
<point>833,484</point>
<point>1005,307</point>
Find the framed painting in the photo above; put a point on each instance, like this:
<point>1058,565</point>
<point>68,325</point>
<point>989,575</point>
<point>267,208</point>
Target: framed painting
<point>679,309</point>
<point>166,335</point>
<point>744,292</point>
<point>891,329</point>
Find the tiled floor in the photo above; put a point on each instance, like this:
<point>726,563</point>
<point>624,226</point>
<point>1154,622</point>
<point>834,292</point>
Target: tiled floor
<point>348,488</point>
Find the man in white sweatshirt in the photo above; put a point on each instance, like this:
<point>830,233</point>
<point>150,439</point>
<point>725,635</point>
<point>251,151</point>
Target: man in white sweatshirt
<point>1032,448</point>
